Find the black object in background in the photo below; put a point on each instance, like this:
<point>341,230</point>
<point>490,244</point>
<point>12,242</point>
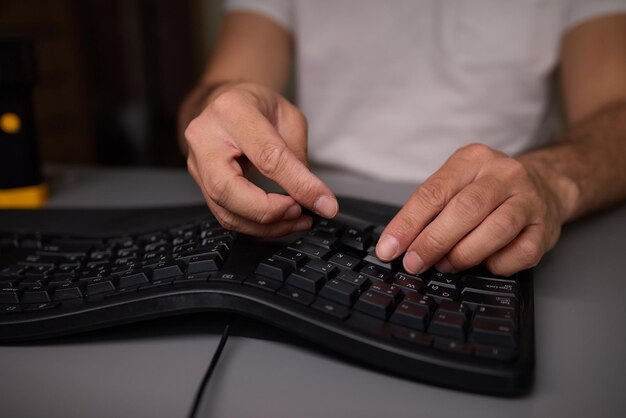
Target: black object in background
<point>19,158</point>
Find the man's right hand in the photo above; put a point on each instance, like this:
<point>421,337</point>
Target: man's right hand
<point>245,122</point>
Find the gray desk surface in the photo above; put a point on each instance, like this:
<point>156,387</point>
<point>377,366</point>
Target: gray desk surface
<point>153,369</point>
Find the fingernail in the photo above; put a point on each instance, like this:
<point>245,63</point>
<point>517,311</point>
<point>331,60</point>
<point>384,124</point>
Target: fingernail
<point>444,266</point>
<point>387,247</point>
<point>302,224</point>
<point>326,206</point>
<point>413,263</point>
<point>292,212</point>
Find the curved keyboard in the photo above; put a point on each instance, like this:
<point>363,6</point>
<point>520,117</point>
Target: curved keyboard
<point>470,331</point>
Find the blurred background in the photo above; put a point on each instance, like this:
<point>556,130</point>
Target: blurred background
<point>112,73</point>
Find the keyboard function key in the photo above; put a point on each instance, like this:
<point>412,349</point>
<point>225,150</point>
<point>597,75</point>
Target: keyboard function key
<point>447,325</point>
<point>410,315</point>
<point>263,283</point>
<point>412,336</point>
<point>297,295</point>
<point>274,269</point>
<point>492,333</point>
<point>307,279</point>
<point>454,346</point>
<point>331,308</point>
<point>340,291</point>
<point>375,304</point>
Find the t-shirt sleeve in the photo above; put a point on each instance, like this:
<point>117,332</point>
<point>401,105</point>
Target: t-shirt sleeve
<point>277,10</point>
<point>582,10</point>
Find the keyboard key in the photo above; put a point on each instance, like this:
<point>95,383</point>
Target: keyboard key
<point>440,293</point>
<point>40,307</point>
<point>307,279</point>
<point>67,291</point>
<point>321,239</point>
<point>167,270</point>
<point>35,296</point>
<point>447,325</point>
<point>263,283</point>
<point>297,295</point>
<point>9,295</point>
<point>339,291</point>
<point>344,261</point>
<point>375,304</point>
<point>274,269</point>
<point>197,278</point>
<point>309,249</point>
<point>330,226</point>
<point>331,308</point>
<point>329,270</point>
<point>227,278</point>
<point>355,238</point>
<point>372,258</point>
<point>452,281</point>
<point>454,308</point>
<point>412,336</point>
<point>100,287</point>
<point>497,353</point>
<point>454,346</point>
<point>410,315</point>
<point>492,333</point>
<point>505,316</point>
<point>361,281</point>
<point>135,278</point>
<point>297,259</point>
<point>386,289</point>
<point>490,287</point>
<point>376,272</point>
<point>157,284</point>
<point>210,262</point>
<point>424,301</point>
<point>406,281</point>
<point>475,299</point>
<point>10,309</point>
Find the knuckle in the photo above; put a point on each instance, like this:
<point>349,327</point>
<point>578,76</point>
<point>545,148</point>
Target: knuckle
<point>470,202</point>
<point>506,225</point>
<point>433,242</point>
<point>530,252</point>
<point>461,258</point>
<point>193,132</point>
<point>226,103</point>
<point>228,220</point>
<point>511,168</point>
<point>271,158</point>
<point>477,151</point>
<point>220,190</point>
<point>432,194</point>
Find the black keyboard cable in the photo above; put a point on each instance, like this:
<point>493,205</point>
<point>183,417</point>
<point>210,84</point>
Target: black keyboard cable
<point>209,372</point>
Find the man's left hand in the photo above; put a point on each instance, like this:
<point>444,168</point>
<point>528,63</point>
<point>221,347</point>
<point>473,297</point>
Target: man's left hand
<point>481,206</point>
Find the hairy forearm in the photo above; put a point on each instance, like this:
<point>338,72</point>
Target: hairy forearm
<point>586,167</point>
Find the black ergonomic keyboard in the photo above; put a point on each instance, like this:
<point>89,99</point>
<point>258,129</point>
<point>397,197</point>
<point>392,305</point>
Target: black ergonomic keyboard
<point>65,271</point>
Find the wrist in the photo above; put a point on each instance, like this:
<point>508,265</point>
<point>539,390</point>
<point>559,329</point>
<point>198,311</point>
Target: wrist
<point>564,190</point>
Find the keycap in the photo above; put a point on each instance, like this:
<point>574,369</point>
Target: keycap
<point>263,283</point>
<point>344,261</point>
<point>40,306</point>
<point>355,238</point>
<point>490,287</point>
<point>419,299</point>
<point>454,308</point>
<point>454,346</point>
<point>498,353</point>
<point>386,289</point>
<point>98,288</point>
<point>408,282</point>
<point>209,262</point>
<point>297,259</point>
<point>199,252</point>
<point>412,336</point>
<point>327,269</point>
<point>492,333</point>
<point>274,269</point>
<point>197,278</point>
<point>67,291</point>
<point>372,258</point>
<point>410,315</point>
<point>166,270</point>
<point>447,325</point>
<point>321,239</point>
<point>307,279</point>
<point>328,225</point>
<point>331,308</point>
<point>339,291</point>
<point>452,281</point>
<point>309,249</point>
<point>440,293</point>
<point>227,278</point>
<point>506,316</point>
<point>375,304</point>
<point>35,296</point>
<point>297,295</point>
<point>157,284</point>
<point>376,272</point>
<point>475,299</point>
<point>10,309</point>
<point>361,281</point>
<point>134,278</point>
<point>9,295</point>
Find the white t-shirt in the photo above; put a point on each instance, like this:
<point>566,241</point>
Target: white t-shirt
<point>392,88</point>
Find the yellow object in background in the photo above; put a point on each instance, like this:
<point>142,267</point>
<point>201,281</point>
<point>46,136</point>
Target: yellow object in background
<point>10,123</point>
<point>30,197</point>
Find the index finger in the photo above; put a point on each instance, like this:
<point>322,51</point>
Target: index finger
<point>269,153</point>
<point>428,200</point>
